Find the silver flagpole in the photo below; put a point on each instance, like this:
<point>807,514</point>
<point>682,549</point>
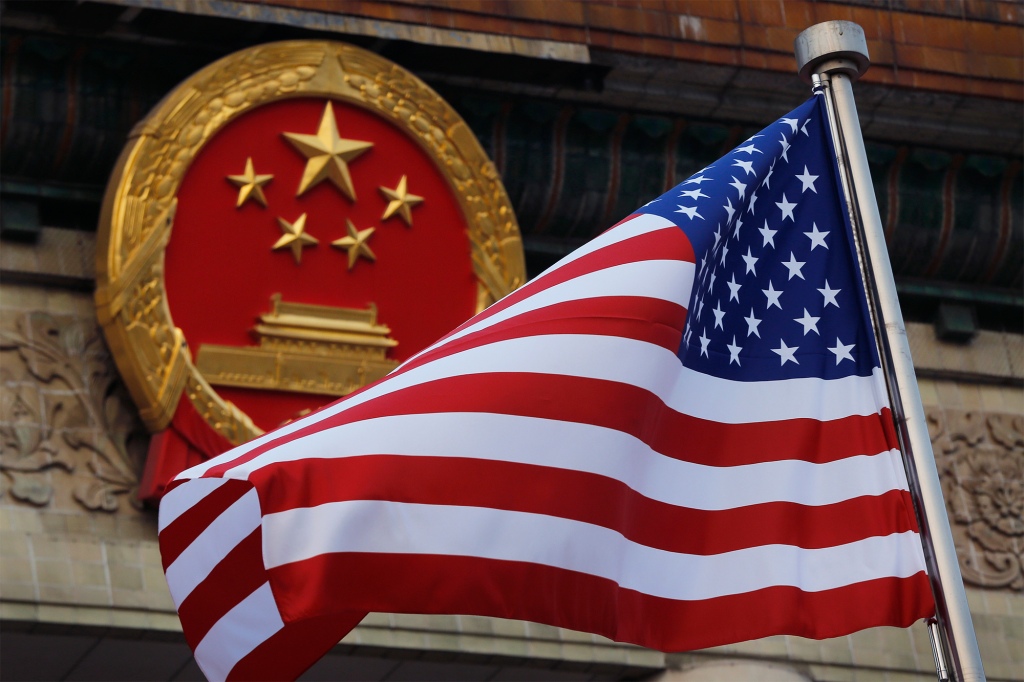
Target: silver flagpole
<point>834,54</point>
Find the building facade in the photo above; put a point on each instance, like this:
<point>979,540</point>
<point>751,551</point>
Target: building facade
<point>587,109</point>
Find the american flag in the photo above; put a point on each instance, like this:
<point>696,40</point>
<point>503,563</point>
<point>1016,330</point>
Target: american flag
<point>678,436</point>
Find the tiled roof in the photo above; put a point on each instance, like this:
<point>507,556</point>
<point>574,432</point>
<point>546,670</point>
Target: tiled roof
<point>967,47</point>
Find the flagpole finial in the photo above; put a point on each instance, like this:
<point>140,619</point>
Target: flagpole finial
<point>832,46</point>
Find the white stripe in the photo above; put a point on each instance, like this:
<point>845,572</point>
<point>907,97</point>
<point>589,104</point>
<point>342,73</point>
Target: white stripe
<point>627,361</point>
<point>666,280</point>
<point>596,450</point>
<point>653,368</point>
<point>182,498</point>
<point>635,227</point>
<point>741,402</point>
<point>390,527</point>
<point>194,564</point>
<point>251,622</point>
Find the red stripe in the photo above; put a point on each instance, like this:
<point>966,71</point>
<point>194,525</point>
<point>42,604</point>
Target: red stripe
<point>637,412</point>
<point>181,532</point>
<point>571,494</point>
<point>237,576</point>
<point>510,589</point>
<point>293,649</point>
<point>666,244</point>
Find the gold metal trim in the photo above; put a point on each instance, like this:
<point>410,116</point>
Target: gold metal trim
<point>138,209</point>
<point>305,348</point>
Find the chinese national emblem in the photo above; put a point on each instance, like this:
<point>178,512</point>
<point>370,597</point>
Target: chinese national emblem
<point>286,227</point>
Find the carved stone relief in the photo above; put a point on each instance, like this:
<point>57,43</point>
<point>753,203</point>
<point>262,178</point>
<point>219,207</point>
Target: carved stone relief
<point>980,457</point>
<point>66,423</point>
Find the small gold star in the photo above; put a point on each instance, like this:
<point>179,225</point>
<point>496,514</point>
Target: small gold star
<point>327,154</point>
<point>355,243</point>
<point>295,237</point>
<point>401,201</point>
<point>250,185</point>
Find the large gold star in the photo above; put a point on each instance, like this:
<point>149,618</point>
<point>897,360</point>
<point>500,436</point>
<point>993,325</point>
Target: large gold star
<point>355,243</point>
<point>401,201</point>
<point>250,185</point>
<point>327,155</point>
<point>295,237</point>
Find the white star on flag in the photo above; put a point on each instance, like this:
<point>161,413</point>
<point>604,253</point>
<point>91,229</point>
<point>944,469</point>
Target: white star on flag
<point>786,207</point>
<point>773,296</point>
<point>842,351</point>
<point>719,315</point>
<point>830,295</point>
<point>809,323</point>
<point>734,288</point>
<point>785,148</point>
<point>690,212</point>
<point>740,187</point>
<point>750,260</point>
<point>794,266</point>
<point>748,166</point>
<point>786,353</point>
<point>817,237</point>
<point>807,180</point>
<point>752,324</point>
<point>734,351</point>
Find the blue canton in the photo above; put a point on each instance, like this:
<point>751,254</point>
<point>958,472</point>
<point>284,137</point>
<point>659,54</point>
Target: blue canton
<point>778,292</point>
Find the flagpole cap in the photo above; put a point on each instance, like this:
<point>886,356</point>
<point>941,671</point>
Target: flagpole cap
<point>830,47</point>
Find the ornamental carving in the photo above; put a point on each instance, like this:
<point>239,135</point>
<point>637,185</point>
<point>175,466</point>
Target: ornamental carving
<point>64,415</point>
<point>980,457</point>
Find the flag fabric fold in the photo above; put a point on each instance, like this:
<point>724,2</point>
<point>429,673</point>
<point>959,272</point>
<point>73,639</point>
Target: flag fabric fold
<point>678,436</point>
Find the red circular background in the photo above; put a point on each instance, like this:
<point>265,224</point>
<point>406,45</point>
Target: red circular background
<point>221,272</point>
